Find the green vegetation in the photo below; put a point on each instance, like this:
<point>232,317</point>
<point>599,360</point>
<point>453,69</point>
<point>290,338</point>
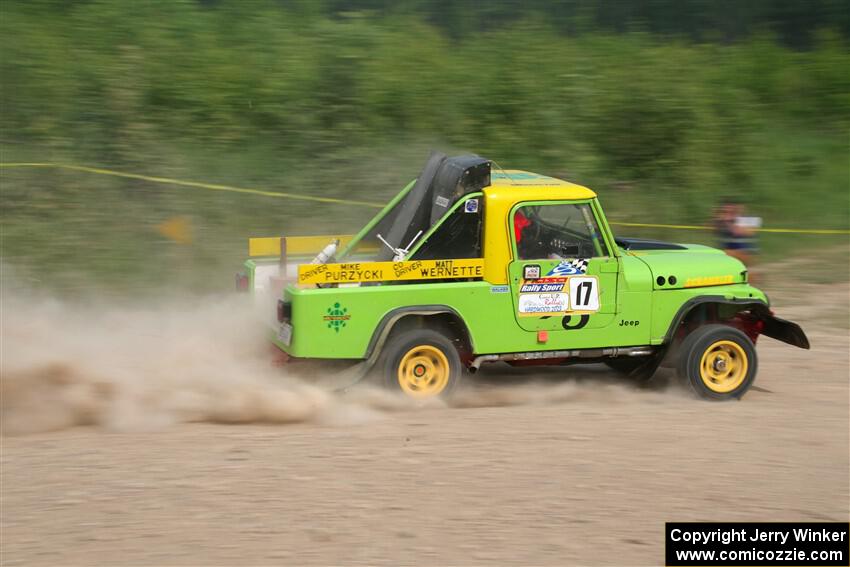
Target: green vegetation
<point>348,103</point>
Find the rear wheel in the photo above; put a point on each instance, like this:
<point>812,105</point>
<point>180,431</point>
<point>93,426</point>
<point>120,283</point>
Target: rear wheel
<point>718,362</point>
<point>422,363</point>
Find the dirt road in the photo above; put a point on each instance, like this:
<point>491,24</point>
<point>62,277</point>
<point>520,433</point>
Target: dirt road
<point>565,472</point>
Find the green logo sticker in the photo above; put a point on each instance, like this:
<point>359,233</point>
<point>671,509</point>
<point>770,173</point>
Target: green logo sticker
<point>336,317</point>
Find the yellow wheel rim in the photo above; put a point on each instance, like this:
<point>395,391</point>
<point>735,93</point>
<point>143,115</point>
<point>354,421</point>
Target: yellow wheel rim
<point>423,371</point>
<point>723,366</point>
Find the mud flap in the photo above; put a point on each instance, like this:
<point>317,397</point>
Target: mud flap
<point>643,374</point>
<point>784,331</point>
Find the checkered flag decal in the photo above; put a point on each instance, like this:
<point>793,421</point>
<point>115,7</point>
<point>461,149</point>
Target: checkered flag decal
<point>570,267</point>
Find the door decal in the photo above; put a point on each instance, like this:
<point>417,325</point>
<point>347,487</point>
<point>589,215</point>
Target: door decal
<point>565,322</point>
<point>570,267</point>
<point>584,292</point>
<point>531,271</point>
<point>549,296</point>
<point>537,304</point>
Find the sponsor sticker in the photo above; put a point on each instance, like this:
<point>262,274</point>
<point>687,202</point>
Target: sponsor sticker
<point>570,267</point>
<point>471,206</point>
<point>441,201</point>
<point>543,286</point>
<point>336,317</point>
<point>709,280</point>
<point>538,304</point>
<point>531,272</point>
<point>500,289</point>
<point>558,296</point>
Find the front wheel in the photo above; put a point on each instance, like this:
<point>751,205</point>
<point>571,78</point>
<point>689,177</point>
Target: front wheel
<point>422,363</point>
<point>718,362</point>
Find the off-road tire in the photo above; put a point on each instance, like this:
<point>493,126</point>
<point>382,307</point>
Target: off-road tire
<point>718,362</point>
<point>426,351</point>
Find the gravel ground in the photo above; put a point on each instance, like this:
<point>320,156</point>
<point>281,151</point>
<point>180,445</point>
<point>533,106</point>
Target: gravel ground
<point>582,470</point>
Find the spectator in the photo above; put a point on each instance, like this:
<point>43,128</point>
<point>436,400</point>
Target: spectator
<point>735,231</point>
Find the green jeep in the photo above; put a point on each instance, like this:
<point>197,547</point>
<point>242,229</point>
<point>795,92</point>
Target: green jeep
<point>470,264</point>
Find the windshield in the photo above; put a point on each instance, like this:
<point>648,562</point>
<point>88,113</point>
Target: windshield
<point>557,231</point>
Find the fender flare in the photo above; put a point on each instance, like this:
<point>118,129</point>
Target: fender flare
<point>774,327</point>
<point>388,321</point>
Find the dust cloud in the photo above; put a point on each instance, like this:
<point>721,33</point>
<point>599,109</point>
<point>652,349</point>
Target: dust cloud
<point>130,367</point>
<point>126,367</point>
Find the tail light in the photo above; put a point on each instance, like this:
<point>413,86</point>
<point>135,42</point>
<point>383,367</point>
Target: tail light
<point>241,282</point>
<point>284,311</point>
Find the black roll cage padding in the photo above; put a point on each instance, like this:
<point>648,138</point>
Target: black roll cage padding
<point>443,181</point>
<point>398,234</point>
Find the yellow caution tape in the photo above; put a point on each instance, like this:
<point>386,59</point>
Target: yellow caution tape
<point>646,225</point>
<point>390,271</point>
<point>282,195</point>
<point>211,186</point>
<point>697,227</point>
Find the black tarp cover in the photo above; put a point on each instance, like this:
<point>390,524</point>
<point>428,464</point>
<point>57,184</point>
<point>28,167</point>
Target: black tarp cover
<point>443,181</point>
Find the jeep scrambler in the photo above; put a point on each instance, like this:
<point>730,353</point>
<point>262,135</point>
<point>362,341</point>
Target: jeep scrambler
<point>469,264</point>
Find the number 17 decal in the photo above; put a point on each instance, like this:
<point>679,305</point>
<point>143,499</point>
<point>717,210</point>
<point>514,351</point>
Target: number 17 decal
<point>584,294</point>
